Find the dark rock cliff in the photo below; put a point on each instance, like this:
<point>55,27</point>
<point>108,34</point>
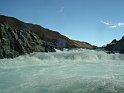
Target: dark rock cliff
<point>116,46</point>
<point>18,38</point>
<point>14,42</point>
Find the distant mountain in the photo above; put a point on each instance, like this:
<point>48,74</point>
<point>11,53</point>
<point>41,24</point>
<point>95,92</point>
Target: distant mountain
<point>116,46</point>
<point>17,38</point>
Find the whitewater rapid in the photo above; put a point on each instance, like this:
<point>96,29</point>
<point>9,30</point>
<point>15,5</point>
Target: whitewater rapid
<point>68,71</point>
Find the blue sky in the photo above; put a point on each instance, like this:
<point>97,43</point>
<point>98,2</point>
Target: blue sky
<point>94,21</point>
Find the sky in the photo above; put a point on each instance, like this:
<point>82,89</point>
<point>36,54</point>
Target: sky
<point>95,21</point>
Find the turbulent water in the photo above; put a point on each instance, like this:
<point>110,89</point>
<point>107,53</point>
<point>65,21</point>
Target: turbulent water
<point>70,71</point>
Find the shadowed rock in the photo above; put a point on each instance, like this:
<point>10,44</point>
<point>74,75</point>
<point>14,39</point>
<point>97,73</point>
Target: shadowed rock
<point>116,46</point>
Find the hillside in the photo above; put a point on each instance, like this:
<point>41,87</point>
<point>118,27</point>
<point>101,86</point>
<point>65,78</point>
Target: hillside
<point>17,37</point>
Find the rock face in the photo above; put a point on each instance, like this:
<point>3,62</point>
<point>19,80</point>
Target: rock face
<point>18,38</point>
<point>15,42</point>
<point>116,46</point>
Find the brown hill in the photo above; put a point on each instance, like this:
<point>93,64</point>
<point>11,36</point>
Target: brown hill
<point>11,28</point>
<point>56,38</point>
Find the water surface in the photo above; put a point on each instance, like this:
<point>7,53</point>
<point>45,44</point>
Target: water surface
<point>70,71</point>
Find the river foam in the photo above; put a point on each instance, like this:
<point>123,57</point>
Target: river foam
<point>68,71</point>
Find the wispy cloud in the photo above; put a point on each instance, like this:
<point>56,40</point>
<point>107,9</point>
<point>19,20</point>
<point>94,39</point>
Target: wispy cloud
<point>113,25</point>
<point>106,23</point>
<point>61,9</point>
<point>121,24</point>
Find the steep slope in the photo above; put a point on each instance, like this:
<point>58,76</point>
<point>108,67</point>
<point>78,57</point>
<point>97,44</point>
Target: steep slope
<point>17,37</point>
<point>60,41</point>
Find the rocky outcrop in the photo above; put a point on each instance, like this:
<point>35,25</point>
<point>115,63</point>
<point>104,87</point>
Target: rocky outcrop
<point>14,42</point>
<point>116,46</point>
<point>18,38</point>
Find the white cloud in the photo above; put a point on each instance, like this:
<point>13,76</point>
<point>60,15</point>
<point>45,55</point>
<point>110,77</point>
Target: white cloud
<point>61,9</point>
<point>106,23</point>
<point>113,25</point>
<point>121,24</point>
